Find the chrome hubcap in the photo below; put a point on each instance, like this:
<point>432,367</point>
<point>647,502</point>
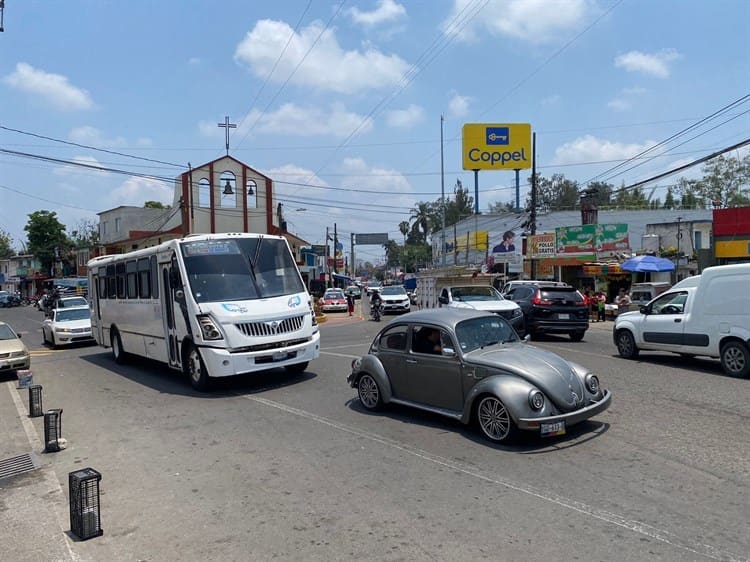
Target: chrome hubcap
<point>368,392</point>
<point>494,418</point>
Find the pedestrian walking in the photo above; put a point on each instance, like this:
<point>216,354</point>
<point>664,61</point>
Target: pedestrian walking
<point>350,303</point>
<point>601,300</point>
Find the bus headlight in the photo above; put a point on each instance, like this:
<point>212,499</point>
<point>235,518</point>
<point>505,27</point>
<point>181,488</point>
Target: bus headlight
<point>209,329</point>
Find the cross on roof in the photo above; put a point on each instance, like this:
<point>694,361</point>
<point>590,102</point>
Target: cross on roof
<point>227,125</point>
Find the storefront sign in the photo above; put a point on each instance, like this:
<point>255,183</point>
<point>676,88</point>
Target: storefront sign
<point>592,237</point>
<point>540,245</point>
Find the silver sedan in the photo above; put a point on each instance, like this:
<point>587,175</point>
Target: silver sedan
<point>471,366</point>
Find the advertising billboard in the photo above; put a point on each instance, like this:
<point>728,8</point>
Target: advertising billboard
<point>588,238</point>
<point>541,245</point>
<point>506,252</point>
<point>496,146</point>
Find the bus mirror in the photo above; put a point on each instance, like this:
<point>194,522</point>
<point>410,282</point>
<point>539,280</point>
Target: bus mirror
<point>179,294</point>
<point>174,279</point>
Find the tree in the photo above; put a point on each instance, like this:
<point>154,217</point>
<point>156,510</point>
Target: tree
<point>6,245</point>
<point>461,207</point>
<point>155,205</point>
<point>556,193</point>
<point>403,226</point>
<point>421,216</point>
<point>86,234</point>
<point>669,201</point>
<point>47,239</point>
<point>725,183</point>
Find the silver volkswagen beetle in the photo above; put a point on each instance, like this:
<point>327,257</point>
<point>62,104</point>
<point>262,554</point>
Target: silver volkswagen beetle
<point>472,366</point>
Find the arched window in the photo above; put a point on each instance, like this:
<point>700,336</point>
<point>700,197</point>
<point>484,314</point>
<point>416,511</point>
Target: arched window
<point>252,194</point>
<point>228,190</point>
<point>204,194</point>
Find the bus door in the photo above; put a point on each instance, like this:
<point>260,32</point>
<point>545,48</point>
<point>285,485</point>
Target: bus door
<point>169,273</point>
<point>96,314</point>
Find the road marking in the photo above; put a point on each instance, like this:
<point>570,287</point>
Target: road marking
<point>340,355</point>
<point>53,483</point>
<point>694,547</point>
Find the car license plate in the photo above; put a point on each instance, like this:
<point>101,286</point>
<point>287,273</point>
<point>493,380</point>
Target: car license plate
<point>550,429</point>
<point>280,355</point>
<point>563,316</point>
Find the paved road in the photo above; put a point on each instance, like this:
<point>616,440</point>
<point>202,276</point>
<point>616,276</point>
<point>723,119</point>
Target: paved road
<point>292,468</point>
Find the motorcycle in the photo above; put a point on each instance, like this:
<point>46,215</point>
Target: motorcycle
<point>376,311</point>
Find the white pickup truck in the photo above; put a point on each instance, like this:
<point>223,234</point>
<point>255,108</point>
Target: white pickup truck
<point>709,318</point>
<point>483,297</point>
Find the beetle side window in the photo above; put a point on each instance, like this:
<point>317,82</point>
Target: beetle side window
<point>393,339</point>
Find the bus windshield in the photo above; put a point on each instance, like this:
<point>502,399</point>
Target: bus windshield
<point>228,269</point>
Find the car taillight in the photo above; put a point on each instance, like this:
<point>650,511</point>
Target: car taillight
<point>583,302</point>
<point>539,301</point>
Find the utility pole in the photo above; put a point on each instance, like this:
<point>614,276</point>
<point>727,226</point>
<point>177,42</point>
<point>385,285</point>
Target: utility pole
<point>335,249</point>
<point>677,261</point>
<point>353,269</point>
<point>533,198</point>
<point>327,267</point>
<point>442,192</point>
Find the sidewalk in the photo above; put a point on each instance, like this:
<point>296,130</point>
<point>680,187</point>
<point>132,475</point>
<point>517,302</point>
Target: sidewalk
<point>33,504</point>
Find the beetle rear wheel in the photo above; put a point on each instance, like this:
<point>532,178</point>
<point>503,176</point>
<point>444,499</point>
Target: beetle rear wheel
<point>494,420</point>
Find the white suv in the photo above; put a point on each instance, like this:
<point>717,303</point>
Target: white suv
<point>483,297</point>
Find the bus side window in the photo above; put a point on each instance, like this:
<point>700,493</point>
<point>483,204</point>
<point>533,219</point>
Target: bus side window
<point>144,281</point>
<point>154,278</point>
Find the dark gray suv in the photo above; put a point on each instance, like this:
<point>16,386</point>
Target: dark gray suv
<point>551,309</point>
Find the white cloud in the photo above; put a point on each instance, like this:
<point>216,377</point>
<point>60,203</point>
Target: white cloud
<point>592,149</point>
<point>620,104</point>
<point>654,64</point>
<point>535,21</point>
<point>360,174</point>
<point>71,170</point>
<point>387,10</point>
<point>326,67</point>
<point>624,101</point>
<point>554,99</point>
<point>297,120</point>
<point>93,137</point>
<point>194,60</point>
<point>54,89</point>
<point>136,191</point>
<point>459,105</point>
<point>405,118</point>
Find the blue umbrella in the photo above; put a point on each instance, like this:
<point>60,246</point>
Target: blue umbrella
<point>647,263</point>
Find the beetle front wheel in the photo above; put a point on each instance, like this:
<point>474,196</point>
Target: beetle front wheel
<point>494,420</point>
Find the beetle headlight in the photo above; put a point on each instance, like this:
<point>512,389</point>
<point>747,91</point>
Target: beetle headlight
<point>536,399</point>
<point>592,383</point>
<point>209,329</point>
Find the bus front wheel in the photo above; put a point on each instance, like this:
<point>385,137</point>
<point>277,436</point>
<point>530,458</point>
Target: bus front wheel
<point>118,352</point>
<point>196,369</point>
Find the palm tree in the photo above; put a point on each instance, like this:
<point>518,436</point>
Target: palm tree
<point>420,217</point>
<point>403,226</point>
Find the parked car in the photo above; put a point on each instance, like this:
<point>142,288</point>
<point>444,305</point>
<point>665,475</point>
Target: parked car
<point>333,300</point>
<point>395,299</point>
<point>67,325</point>
<point>709,318</point>
<point>643,293</point>
<point>551,309</point>
<point>70,302</point>
<point>483,297</point>
<point>539,283</point>
<point>14,354</point>
<point>354,291</point>
<point>471,365</point>
<point>8,301</point>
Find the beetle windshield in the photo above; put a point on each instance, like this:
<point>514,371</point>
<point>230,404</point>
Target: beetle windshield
<point>229,269</point>
<point>486,330</point>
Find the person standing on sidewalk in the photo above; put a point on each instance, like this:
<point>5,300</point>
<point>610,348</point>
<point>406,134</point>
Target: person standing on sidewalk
<point>350,303</point>
<point>601,300</point>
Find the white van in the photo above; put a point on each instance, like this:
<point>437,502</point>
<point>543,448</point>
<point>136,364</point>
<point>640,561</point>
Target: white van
<point>710,318</point>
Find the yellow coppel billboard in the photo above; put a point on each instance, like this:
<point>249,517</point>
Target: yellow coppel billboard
<point>496,146</point>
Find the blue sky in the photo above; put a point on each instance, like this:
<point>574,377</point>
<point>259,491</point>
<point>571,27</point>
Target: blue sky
<point>340,103</point>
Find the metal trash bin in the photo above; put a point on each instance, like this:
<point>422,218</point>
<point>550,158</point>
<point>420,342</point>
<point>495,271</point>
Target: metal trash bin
<point>85,511</point>
<point>35,401</point>
<point>52,430</point>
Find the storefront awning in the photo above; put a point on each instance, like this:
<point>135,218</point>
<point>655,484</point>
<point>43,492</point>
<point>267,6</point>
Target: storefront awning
<point>560,260</point>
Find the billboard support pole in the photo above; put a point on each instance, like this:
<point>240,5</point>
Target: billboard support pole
<point>518,190</point>
<point>533,198</point>
<point>442,194</point>
<point>476,192</point>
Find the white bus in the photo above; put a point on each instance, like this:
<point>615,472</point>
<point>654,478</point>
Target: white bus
<point>210,305</point>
